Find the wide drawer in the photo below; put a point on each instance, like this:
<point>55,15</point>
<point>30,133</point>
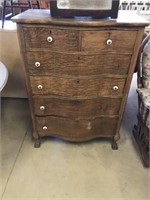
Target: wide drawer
<point>76,108</point>
<point>75,64</point>
<point>81,87</point>
<point>74,129</point>
<point>48,38</point>
<point>108,40</point>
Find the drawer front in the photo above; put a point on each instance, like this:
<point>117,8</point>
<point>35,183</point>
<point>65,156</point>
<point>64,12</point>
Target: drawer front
<point>49,39</point>
<point>75,64</point>
<point>81,87</point>
<point>72,129</point>
<point>76,108</point>
<point>108,40</point>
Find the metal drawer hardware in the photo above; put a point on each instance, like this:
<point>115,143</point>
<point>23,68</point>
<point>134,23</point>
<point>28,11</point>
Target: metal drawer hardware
<point>44,128</point>
<point>42,107</point>
<point>40,87</point>
<point>37,64</point>
<point>115,87</point>
<point>109,42</point>
<point>49,39</point>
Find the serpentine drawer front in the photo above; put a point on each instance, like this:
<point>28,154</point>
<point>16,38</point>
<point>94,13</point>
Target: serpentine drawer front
<point>71,108</point>
<point>78,73</point>
<point>77,64</point>
<point>77,87</point>
<point>78,129</point>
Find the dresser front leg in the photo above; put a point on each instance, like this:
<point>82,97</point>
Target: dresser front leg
<point>37,142</point>
<point>114,144</point>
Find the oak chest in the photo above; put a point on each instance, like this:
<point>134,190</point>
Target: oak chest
<point>78,73</point>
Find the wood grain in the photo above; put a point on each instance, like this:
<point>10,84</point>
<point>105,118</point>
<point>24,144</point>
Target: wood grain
<point>77,64</point>
<point>76,108</point>
<point>36,37</point>
<point>95,41</point>
<point>77,87</point>
<point>78,71</point>
<point>72,129</point>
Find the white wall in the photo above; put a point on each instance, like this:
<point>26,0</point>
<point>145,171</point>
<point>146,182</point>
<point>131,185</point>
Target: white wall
<point>11,57</point>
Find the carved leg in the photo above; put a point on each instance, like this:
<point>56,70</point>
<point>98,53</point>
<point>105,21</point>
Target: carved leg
<point>117,136</point>
<point>37,142</point>
<point>114,144</point>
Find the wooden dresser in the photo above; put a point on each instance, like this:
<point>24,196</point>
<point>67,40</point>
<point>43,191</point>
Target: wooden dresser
<point>78,73</point>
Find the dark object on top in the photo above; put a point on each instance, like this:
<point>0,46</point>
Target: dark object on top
<point>73,8</point>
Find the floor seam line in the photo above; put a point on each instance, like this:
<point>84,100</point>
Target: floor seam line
<point>15,160</point>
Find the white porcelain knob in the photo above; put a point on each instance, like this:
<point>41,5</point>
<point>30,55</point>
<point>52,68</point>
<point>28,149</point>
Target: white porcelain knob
<point>37,64</point>
<point>42,107</point>
<point>49,39</point>
<point>115,87</point>
<point>40,87</point>
<point>44,127</point>
<point>109,42</point>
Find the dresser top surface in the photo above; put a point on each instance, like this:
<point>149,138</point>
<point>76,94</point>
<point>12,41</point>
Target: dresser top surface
<point>42,16</point>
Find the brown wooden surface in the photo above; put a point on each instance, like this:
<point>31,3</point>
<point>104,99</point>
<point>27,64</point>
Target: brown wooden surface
<point>77,63</point>
<point>92,41</point>
<point>78,71</point>
<point>95,41</point>
<point>76,108</point>
<point>129,78</point>
<point>125,19</point>
<point>76,129</point>
<point>36,37</point>
<point>77,87</point>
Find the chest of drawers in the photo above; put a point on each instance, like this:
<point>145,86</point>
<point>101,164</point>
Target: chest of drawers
<point>78,74</point>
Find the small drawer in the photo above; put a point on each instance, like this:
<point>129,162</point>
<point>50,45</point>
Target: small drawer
<point>76,108</point>
<point>48,38</point>
<point>108,40</point>
<point>76,129</point>
<point>77,87</point>
<point>74,64</point>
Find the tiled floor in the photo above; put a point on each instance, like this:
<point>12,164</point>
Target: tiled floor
<point>66,171</point>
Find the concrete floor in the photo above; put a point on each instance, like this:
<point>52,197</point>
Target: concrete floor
<point>66,171</point>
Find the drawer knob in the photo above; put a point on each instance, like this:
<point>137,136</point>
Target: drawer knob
<point>115,87</point>
<point>42,107</point>
<point>40,87</point>
<point>109,42</point>
<point>44,128</point>
<point>49,39</point>
<point>37,64</point>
